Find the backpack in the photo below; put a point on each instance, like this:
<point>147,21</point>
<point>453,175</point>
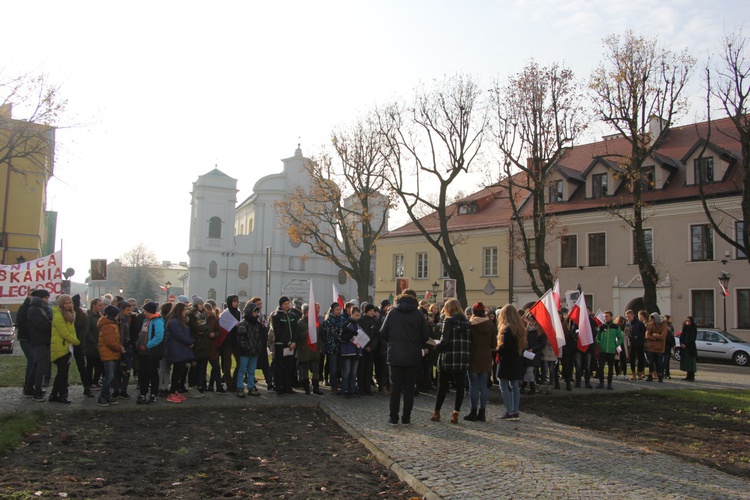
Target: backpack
<point>143,338</point>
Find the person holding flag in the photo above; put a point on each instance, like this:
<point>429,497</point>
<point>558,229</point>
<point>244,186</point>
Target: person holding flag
<point>308,352</point>
<point>609,338</point>
<point>284,324</point>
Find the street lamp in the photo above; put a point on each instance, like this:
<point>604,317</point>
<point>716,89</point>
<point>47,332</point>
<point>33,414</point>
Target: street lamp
<point>168,286</point>
<point>724,281</point>
<point>435,287</point>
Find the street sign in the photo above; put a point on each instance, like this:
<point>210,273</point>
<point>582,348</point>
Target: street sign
<point>171,299</point>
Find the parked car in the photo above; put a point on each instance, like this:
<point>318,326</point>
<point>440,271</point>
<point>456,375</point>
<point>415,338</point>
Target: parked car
<point>715,344</point>
<point>7,337</point>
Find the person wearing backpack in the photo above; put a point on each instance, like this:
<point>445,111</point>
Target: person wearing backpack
<point>250,345</point>
<point>150,349</point>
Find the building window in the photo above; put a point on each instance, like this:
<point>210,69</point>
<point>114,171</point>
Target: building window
<point>243,271</point>
<point>211,294</point>
<point>648,179</point>
<point>371,281</point>
<point>213,268</point>
<point>597,249</point>
<point>599,185</point>
<point>444,272</point>
<point>296,264</point>
<point>214,227</point>
<point>242,294</point>
<point>743,308</point>
<point>569,251</point>
<point>398,265</point>
<point>342,277</point>
<point>490,261</point>
<point>648,235</point>
<point>704,169</point>
<point>739,228</point>
<point>532,251</point>
<point>556,191</point>
<point>703,307</point>
<point>422,266</point>
<point>701,242</point>
<point>471,207</point>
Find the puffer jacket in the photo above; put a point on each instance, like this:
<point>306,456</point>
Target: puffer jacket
<point>178,342</point>
<point>63,334</point>
<point>332,332</point>
<point>110,347</point>
<point>39,322</point>
<point>249,337</point>
<point>348,332</point>
<point>609,338</point>
<point>483,341</point>
<point>406,332</point>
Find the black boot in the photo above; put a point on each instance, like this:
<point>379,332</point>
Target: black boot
<point>316,388</point>
<point>472,416</point>
<point>307,386</point>
<point>567,386</point>
<point>523,388</point>
<point>481,416</point>
<point>533,389</point>
<point>557,384</point>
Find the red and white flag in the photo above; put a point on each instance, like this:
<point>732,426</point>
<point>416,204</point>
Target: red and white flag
<point>545,313</point>
<point>337,296</point>
<point>227,321</point>
<point>723,289</point>
<point>427,295</point>
<point>312,319</point>
<point>556,293</point>
<point>580,316</point>
<point>599,318</point>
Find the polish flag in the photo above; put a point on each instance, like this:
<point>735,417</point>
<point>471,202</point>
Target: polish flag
<point>163,288</point>
<point>723,289</point>
<point>337,296</point>
<point>599,318</point>
<point>427,295</point>
<point>556,293</point>
<point>312,320</point>
<point>545,313</point>
<point>227,321</point>
<point>580,317</point>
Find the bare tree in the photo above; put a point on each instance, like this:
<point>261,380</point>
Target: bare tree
<point>430,143</point>
<point>345,209</point>
<point>140,273</point>
<point>639,84</point>
<point>539,116</point>
<point>27,145</point>
<point>729,85</point>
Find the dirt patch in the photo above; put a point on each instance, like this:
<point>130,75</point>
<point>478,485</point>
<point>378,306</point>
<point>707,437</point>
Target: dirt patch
<point>698,431</point>
<point>266,452</point>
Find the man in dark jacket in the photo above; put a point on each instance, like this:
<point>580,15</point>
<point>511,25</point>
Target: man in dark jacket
<point>371,326</point>
<point>637,343</point>
<point>39,324</point>
<point>406,332</point>
<point>285,334</point>
<point>25,343</point>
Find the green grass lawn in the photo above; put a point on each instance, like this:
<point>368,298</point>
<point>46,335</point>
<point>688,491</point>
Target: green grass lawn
<point>726,399</point>
<point>14,427</point>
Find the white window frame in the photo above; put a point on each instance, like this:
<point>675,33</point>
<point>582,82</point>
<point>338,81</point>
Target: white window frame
<point>496,254</point>
<point>422,271</point>
<point>396,258</point>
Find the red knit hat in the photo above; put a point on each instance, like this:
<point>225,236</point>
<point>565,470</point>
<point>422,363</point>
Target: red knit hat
<point>478,309</point>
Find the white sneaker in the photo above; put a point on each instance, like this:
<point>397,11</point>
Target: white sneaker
<point>195,393</point>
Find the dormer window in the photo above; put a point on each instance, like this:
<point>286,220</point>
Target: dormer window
<point>599,185</point>
<point>556,191</point>
<point>648,179</point>
<point>704,169</point>
<point>471,207</point>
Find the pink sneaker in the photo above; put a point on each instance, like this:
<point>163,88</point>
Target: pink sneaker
<point>173,399</point>
<point>180,396</point>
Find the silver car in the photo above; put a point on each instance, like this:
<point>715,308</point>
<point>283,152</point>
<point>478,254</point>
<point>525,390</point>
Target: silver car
<point>715,344</point>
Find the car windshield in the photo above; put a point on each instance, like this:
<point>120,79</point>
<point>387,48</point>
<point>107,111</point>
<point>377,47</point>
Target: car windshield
<point>733,338</point>
<point>5,321</point>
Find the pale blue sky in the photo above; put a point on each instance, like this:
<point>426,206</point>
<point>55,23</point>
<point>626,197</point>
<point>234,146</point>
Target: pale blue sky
<point>160,92</point>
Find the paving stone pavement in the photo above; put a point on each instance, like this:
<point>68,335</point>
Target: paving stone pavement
<point>530,458</point>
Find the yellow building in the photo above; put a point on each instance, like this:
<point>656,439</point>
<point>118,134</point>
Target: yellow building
<point>26,164</point>
<point>479,225</point>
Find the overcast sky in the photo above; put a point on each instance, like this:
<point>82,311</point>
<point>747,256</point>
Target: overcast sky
<point>161,92</point>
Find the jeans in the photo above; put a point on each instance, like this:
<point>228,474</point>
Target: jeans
<point>110,368</point>
<point>654,364</point>
<point>332,360</point>
<point>247,367</point>
<point>636,358</point>
<point>549,367</point>
<point>511,395</point>
<point>403,380</point>
<point>28,351</point>
<point>349,374</point>
<point>94,369</point>
<point>148,374</point>
<point>478,389</point>
<point>583,366</point>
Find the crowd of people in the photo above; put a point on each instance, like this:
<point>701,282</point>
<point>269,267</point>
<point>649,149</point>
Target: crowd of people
<point>180,351</point>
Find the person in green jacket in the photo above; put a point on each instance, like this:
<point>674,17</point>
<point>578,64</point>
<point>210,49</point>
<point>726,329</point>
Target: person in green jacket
<point>63,336</point>
<point>609,338</point>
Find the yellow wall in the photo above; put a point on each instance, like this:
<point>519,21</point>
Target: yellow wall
<point>470,255</point>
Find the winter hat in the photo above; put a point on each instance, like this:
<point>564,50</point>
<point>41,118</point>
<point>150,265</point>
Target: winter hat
<point>368,307</point>
<point>478,309</point>
<point>183,299</point>
<point>124,304</point>
<point>77,301</point>
<point>656,318</point>
<point>150,307</point>
<point>468,311</point>
<point>198,301</point>
<point>305,308</point>
<point>111,312</point>
<point>283,299</point>
<point>384,303</point>
<point>40,293</point>
<point>106,301</point>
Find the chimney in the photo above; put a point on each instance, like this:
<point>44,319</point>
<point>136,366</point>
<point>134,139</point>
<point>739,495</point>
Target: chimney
<point>6,110</point>
<point>166,263</point>
<point>656,126</point>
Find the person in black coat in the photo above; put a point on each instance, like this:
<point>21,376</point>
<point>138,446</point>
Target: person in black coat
<point>637,343</point>
<point>512,342</point>
<point>284,323</point>
<point>689,357</point>
<point>406,333</point>
<point>39,323</point>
